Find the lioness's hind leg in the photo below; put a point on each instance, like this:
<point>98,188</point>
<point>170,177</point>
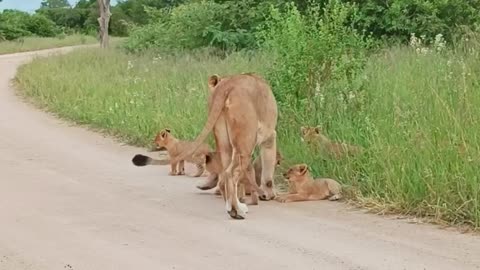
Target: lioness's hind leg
<point>268,154</point>
<point>233,174</point>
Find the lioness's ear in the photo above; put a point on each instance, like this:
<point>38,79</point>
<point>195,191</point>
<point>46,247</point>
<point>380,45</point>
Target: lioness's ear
<point>163,134</point>
<point>317,130</point>
<point>303,169</point>
<point>213,80</point>
<point>167,130</point>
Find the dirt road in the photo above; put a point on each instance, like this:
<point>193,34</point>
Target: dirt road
<point>71,199</point>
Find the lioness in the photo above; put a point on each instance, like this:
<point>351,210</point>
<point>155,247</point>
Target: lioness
<point>315,137</point>
<point>174,146</point>
<point>308,189</point>
<point>242,114</point>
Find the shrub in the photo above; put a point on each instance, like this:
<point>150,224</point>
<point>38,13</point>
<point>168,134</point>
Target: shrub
<point>313,55</point>
<point>41,26</point>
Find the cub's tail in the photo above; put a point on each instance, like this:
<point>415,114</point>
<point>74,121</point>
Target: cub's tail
<point>141,160</point>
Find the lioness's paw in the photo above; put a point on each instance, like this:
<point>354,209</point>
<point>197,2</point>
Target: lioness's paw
<point>281,199</point>
<point>243,207</point>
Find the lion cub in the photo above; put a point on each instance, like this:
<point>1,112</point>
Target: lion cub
<point>214,164</point>
<point>314,136</point>
<point>308,189</point>
<point>174,146</point>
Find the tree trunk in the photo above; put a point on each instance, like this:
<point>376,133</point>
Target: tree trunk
<point>103,21</point>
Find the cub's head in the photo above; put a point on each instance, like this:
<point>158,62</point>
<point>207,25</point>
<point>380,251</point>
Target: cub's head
<point>163,138</point>
<point>309,133</point>
<point>213,162</point>
<point>296,173</point>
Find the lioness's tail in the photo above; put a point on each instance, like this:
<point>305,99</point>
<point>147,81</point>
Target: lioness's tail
<point>141,160</point>
<point>219,97</point>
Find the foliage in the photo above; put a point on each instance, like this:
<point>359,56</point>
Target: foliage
<point>313,54</point>
<point>54,4</point>
<point>398,19</point>
<point>228,25</point>
<point>40,25</point>
<point>15,24</point>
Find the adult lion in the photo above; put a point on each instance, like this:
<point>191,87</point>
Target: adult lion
<point>242,114</point>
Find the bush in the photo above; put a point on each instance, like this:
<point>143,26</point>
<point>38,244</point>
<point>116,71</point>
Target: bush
<point>41,26</point>
<point>13,24</point>
<point>314,56</point>
<point>16,24</point>
<point>229,25</point>
<point>398,19</point>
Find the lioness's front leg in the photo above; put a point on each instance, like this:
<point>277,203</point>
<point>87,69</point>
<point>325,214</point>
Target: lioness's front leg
<point>268,154</point>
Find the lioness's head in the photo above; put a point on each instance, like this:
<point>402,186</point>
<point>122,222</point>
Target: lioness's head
<point>296,172</point>
<point>163,138</point>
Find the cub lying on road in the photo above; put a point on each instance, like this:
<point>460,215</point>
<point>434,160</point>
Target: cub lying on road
<point>308,189</point>
<point>174,146</point>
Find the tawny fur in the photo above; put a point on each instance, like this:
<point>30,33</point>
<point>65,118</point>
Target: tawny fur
<point>175,147</point>
<point>213,163</point>
<point>316,138</point>
<point>308,189</point>
<point>243,115</point>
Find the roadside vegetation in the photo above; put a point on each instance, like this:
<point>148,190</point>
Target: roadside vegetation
<point>39,43</point>
<point>401,81</point>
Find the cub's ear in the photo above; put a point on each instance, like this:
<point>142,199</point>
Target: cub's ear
<point>163,134</point>
<point>303,169</point>
<point>213,80</point>
<point>303,129</point>
<point>317,130</point>
<point>168,130</point>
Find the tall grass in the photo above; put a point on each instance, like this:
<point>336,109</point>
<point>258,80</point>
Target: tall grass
<point>129,96</point>
<point>39,43</point>
<point>415,111</point>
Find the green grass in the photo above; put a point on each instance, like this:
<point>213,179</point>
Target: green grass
<point>413,113</point>
<point>39,43</point>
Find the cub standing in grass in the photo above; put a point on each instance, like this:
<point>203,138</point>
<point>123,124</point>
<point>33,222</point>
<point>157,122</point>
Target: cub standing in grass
<point>308,189</point>
<point>315,137</point>
<point>174,146</point>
